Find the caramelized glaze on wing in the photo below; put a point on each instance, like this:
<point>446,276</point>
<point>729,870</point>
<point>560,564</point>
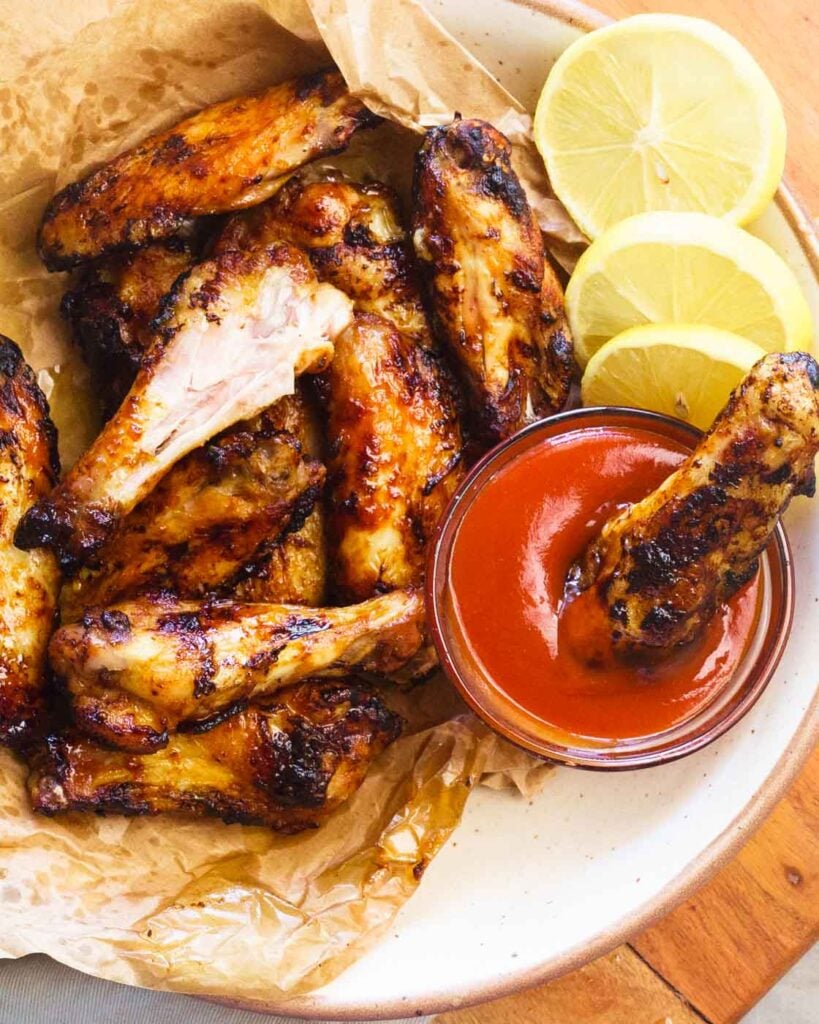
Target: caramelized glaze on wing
<point>657,572</point>
<point>139,669</point>
<point>481,254</point>
<point>225,157</point>
<point>235,332</point>
<point>287,764</point>
<point>29,581</point>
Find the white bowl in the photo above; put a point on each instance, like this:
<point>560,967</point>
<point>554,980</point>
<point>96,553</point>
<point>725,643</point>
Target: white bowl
<point>527,891</point>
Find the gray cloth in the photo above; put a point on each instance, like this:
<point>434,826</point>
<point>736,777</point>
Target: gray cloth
<point>36,990</point>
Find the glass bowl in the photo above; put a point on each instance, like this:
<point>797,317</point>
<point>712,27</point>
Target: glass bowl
<point>523,728</point>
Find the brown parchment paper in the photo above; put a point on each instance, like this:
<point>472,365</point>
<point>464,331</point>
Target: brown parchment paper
<point>202,907</point>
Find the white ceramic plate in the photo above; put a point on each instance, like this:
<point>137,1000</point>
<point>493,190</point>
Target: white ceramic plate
<point>528,890</point>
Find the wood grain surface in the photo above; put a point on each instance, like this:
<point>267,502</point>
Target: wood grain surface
<point>716,955</point>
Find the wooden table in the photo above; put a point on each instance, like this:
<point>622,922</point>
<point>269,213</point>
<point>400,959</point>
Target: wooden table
<point>717,954</point>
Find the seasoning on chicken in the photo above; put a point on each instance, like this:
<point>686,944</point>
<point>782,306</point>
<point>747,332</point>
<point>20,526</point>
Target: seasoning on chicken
<point>221,506</point>
<point>287,764</point>
<point>395,453</point>
<point>29,467</point>
<point>481,254</point>
<point>226,157</point>
<point>234,334</point>
<point>137,670</point>
<point>111,308</point>
<point>659,570</point>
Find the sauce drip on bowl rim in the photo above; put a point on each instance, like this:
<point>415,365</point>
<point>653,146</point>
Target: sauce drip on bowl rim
<point>508,564</point>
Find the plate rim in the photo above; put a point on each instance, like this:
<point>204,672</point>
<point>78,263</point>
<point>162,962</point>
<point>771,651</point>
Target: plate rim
<point>701,869</point>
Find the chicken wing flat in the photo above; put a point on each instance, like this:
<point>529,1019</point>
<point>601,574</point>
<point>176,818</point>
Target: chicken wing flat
<point>395,457</point>
<point>481,255</point>
<point>234,334</point>
<point>225,157</point>
<point>111,308</point>
<point>286,765</point>
<point>221,506</point>
<point>658,570</point>
<point>139,669</point>
<point>30,581</point>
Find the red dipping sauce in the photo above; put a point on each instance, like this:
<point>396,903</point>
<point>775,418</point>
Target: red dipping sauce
<point>507,570</point>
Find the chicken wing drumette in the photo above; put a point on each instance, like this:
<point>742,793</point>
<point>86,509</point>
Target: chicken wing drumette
<point>137,670</point>
<point>658,570</point>
<point>234,334</point>
<point>30,580</point>
<point>286,764</point>
<point>481,254</point>
<point>226,157</point>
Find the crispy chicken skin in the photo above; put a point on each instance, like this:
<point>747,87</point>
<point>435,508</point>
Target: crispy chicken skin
<point>395,457</point>
<point>394,442</point>
<point>287,764</point>
<point>658,570</point>
<point>225,157</point>
<point>234,334</point>
<point>29,582</point>
<point>111,308</point>
<point>137,670</point>
<point>481,255</point>
<point>221,506</point>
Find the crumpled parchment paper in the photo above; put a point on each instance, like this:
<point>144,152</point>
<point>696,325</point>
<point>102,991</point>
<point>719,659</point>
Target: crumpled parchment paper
<point>202,907</point>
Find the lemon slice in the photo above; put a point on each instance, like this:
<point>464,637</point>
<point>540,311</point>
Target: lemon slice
<point>685,268</point>
<point>683,370</point>
<point>660,112</point>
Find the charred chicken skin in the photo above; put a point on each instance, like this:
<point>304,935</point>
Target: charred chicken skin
<point>29,467</point>
<point>226,157</point>
<point>111,308</point>
<point>395,453</point>
<point>234,334</point>
<point>137,670</point>
<point>286,764</point>
<point>658,570</point>
<point>221,506</point>
<point>481,255</point>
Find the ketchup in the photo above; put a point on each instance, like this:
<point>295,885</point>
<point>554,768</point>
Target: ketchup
<point>508,568</point>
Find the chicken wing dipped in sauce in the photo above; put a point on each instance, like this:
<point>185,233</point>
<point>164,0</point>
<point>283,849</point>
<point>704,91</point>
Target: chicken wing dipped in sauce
<point>481,255</point>
<point>137,670</point>
<point>395,453</point>
<point>287,764</point>
<point>111,309</point>
<point>217,509</point>
<point>29,467</point>
<point>226,157</point>
<point>658,571</point>
<point>234,334</point>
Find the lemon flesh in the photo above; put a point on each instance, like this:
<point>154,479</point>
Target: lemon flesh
<point>682,370</point>
<point>660,112</point>
<point>685,268</point>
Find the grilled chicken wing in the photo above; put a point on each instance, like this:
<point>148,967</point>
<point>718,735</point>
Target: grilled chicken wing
<point>111,308</point>
<point>29,583</point>
<point>394,442</point>
<point>395,457</point>
<point>139,669</point>
<point>235,332</point>
<point>286,765</point>
<point>657,572</point>
<point>221,506</point>
<point>225,157</point>
<point>481,254</point>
